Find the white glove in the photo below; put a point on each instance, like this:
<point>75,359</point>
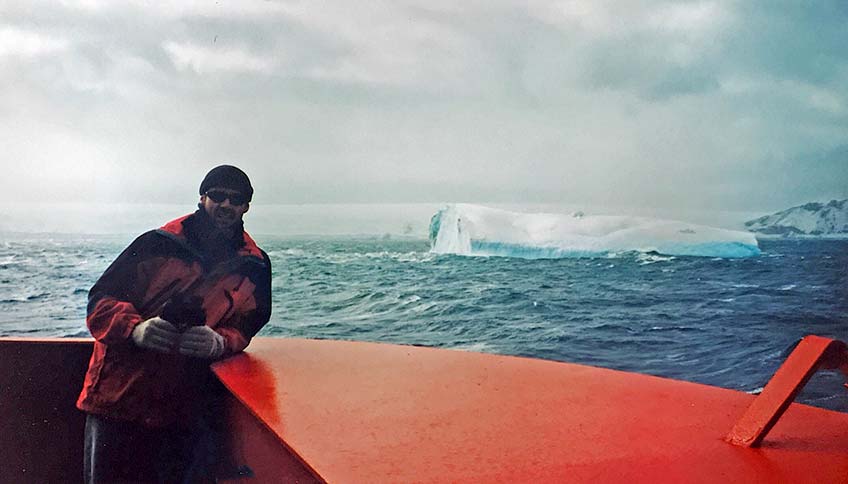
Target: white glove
<point>202,342</point>
<point>156,334</point>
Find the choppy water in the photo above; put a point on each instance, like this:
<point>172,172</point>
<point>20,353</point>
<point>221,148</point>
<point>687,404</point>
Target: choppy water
<point>725,322</point>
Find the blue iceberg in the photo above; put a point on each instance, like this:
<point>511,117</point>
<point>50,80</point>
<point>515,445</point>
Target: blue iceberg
<point>466,229</point>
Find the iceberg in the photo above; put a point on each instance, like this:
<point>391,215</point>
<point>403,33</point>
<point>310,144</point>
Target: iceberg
<point>466,229</point>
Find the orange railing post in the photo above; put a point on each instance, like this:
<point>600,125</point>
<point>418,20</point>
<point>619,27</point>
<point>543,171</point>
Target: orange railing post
<point>812,353</point>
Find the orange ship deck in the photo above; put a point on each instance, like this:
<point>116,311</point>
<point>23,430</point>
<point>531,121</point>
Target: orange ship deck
<point>365,412</point>
<point>307,411</point>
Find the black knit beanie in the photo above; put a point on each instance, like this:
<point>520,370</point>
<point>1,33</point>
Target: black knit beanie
<point>227,176</point>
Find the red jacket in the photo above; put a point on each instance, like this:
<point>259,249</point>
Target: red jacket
<point>156,389</point>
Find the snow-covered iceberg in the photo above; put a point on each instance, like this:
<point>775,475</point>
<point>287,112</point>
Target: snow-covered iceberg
<point>475,230</point>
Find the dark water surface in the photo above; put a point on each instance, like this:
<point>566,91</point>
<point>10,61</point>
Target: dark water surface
<point>724,322</point>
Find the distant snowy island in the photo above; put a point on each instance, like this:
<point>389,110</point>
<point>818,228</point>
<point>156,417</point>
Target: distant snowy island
<point>808,220</point>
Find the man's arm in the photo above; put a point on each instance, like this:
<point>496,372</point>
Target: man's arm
<point>112,315</point>
<point>241,328</point>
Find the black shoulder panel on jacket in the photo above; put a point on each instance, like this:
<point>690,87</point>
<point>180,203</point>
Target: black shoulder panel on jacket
<point>119,279</point>
<point>260,275</point>
<point>175,245</point>
<point>256,269</point>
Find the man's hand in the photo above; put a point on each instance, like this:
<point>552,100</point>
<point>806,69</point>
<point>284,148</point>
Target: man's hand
<point>202,342</point>
<point>156,334</point>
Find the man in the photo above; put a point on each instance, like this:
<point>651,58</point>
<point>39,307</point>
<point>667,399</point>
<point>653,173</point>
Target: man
<point>178,298</point>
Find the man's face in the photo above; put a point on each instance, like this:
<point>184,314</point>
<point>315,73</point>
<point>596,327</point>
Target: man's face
<point>224,206</point>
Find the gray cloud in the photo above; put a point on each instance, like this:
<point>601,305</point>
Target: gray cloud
<point>703,104</point>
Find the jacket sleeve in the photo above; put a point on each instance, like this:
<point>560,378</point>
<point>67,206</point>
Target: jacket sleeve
<point>241,328</point>
<point>112,313</point>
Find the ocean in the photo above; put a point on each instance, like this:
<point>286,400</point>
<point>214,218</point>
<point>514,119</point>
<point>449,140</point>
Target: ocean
<point>728,322</point>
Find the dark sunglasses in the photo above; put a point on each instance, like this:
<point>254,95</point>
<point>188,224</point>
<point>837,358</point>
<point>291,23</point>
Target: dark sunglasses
<point>219,196</point>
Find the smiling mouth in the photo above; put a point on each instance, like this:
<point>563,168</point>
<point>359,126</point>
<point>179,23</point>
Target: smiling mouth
<point>224,217</point>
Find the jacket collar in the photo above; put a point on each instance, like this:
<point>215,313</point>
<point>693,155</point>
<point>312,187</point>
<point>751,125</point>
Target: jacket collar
<point>177,229</point>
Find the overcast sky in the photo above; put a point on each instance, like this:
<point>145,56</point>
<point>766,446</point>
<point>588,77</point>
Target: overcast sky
<point>726,104</point>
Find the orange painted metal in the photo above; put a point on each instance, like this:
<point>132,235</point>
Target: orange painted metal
<point>366,412</point>
<point>41,430</point>
<point>764,412</point>
<point>338,411</point>
<point>251,446</point>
